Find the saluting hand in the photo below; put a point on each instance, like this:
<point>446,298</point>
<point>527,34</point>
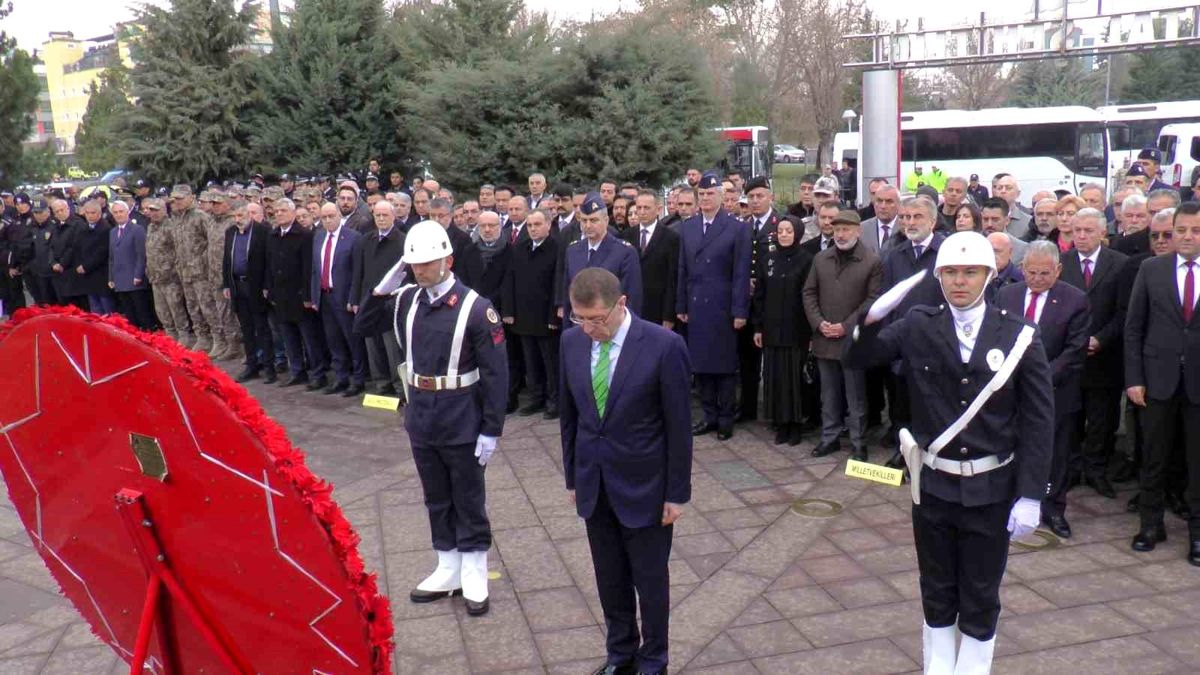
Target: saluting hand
<point>671,513</point>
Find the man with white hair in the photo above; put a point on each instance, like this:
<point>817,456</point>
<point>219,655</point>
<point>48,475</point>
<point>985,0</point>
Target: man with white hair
<point>1005,186</point>
<point>1008,270</point>
<point>1096,270</point>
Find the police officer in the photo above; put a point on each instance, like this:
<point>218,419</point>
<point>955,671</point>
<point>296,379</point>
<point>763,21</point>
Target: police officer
<point>599,248</point>
<point>456,379</point>
<point>714,301</point>
<point>992,473</point>
<point>37,273</point>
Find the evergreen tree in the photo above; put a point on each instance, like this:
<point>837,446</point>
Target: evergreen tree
<point>18,101</point>
<point>191,84</point>
<point>464,32</point>
<point>610,103</point>
<point>1056,82</point>
<point>98,145</point>
<point>330,94</point>
<point>1152,75</point>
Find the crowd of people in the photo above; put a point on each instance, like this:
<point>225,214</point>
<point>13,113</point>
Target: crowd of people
<point>283,277</point>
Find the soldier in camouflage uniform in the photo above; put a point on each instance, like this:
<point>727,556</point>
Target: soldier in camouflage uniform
<point>161,272</point>
<point>190,227</point>
<point>228,339</point>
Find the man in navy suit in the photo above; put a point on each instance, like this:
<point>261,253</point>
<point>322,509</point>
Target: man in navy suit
<point>714,301</point>
<point>127,268</point>
<point>1062,315</point>
<point>599,248</point>
<point>627,459</point>
<point>334,249</point>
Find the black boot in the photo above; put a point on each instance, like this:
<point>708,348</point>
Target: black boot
<point>797,431</point>
<point>782,433</point>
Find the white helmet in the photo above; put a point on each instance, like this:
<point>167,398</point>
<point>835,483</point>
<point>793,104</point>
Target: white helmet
<point>965,248</point>
<point>425,242</point>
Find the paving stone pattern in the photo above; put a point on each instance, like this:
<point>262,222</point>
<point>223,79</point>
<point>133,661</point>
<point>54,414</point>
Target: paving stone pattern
<point>756,588</point>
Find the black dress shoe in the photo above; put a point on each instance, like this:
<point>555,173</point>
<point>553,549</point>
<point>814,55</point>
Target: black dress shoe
<point>1149,537</point>
<point>623,669</point>
<point>858,453</point>
<point>1176,504</point>
<point>269,376</point>
<point>477,608</point>
<point>1058,525</point>
<point>387,390</point>
<point>795,436</point>
<point>421,597</point>
<point>826,449</point>
<point>531,409</point>
<point>294,380</point>
<point>316,384</point>
<point>703,428</point>
<point>1194,552</point>
<point>783,433</point>
<point>724,434</point>
<point>550,414</point>
<point>896,461</point>
<point>1101,485</point>
<point>281,367</point>
<point>1125,473</point>
<point>353,390</point>
<point>1132,505</point>
<point>336,388</point>
<point>246,375</point>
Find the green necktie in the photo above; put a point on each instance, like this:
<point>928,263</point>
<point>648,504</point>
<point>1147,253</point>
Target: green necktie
<point>600,379</point>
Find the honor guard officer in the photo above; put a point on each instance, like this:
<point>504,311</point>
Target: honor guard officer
<point>714,301</point>
<point>456,378</point>
<point>987,405</point>
<point>763,221</point>
<point>599,248</point>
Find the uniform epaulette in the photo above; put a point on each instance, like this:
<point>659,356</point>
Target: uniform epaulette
<point>574,242</point>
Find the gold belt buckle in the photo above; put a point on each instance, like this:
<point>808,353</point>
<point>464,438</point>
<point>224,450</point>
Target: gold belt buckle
<point>427,383</point>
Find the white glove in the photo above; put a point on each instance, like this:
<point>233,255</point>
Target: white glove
<point>484,447</point>
<point>1024,518</point>
<point>892,299</point>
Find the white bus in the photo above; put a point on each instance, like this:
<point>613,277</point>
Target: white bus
<point>1136,125</point>
<point>1059,148</point>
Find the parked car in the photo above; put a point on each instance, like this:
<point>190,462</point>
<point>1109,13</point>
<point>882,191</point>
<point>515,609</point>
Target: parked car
<point>789,154</point>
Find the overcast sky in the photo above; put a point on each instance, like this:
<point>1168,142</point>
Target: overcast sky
<point>32,20</point>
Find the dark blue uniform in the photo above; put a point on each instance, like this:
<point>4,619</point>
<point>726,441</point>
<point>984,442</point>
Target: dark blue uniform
<point>714,289</point>
<point>613,254</point>
<point>444,425</point>
<point>960,526</point>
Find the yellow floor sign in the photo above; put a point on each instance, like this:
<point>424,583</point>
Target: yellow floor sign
<point>874,472</point>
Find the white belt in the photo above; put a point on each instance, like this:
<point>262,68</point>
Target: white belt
<point>442,382</point>
<point>968,468</point>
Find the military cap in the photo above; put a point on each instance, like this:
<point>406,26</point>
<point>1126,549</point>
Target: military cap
<point>251,190</point>
<point>743,200</point>
<point>847,217</point>
<point>163,191</point>
<point>181,190</point>
<point>217,197</point>
<point>709,180</point>
<point>1152,153</point>
<point>285,178</point>
<point>21,198</point>
<point>758,182</point>
<point>205,196</point>
<point>5,193</point>
<point>1135,170</point>
<point>825,185</point>
<point>257,176</point>
<point>272,193</point>
<point>302,180</point>
<point>592,203</point>
<point>40,205</point>
<point>141,183</point>
<point>974,177</point>
<point>152,204</point>
<point>371,176</point>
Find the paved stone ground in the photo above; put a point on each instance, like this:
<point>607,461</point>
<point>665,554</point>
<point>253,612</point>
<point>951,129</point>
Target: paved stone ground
<point>757,588</point>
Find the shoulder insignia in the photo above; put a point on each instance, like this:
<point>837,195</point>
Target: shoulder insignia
<point>491,315</point>
<point>574,242</point>
<point>627,244</point>
<point>771,248</point>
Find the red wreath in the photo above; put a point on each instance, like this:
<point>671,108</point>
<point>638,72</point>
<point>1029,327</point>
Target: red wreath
<point>287,459</point>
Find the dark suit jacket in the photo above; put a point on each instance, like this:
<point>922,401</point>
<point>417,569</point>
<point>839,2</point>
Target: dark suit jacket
<point>660,271</point>
<point>343,266</point>
<point>1104,368</point>
<point>289,266</point>
<point>1135,244</point>
<point>374,260</point>
<point>641,449</point>
<point>1159,348</point>
<point>91,251</point>
<point>256,267</point>
<point>528,291</point>
<point>1064,331</point>
<point>127,258</point>
<point>491,281</point>
<point>361,221</point>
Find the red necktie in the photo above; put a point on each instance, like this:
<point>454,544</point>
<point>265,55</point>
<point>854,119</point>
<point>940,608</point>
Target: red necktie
<point>1189,293</point>
<point>1087,273</point>
<point>512,238</point>
<point>1031,310</point>
<point>327,263</point>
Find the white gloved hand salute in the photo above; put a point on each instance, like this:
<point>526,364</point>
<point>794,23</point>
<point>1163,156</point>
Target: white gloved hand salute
<point>484,447</point>
<point>1024,518</point>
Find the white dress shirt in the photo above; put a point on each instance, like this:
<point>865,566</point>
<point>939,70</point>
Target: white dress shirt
<point>435,292</point>
<point>614,351</point>
<point>891,226</point>
<point>1181,278</point>
<point>1094,257</point>
<point>966,326</point>
<point>1043,298</point>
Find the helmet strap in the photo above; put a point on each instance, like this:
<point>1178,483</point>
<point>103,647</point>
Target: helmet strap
<point>978,299</point>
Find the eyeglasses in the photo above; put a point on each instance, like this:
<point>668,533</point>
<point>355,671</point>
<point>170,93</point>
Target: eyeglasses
<point>594,323</point>
<point>1160,235</point>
